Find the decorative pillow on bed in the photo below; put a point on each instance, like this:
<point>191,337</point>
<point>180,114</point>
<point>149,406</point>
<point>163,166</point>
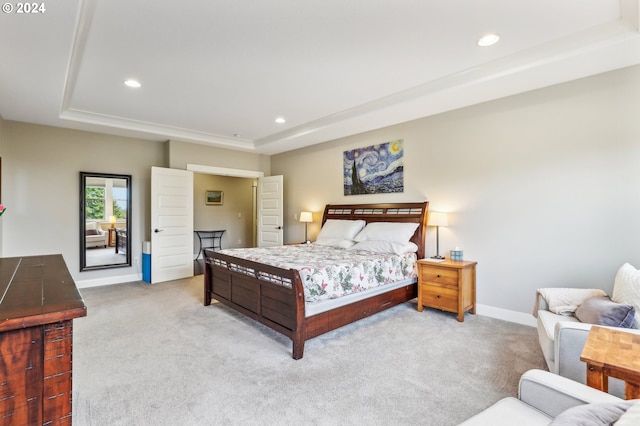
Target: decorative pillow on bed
<point>603,311</point>
<point>626,289</point>
<point>385,247</point>
<point>335,242</point>
<point>340,229</point>
<point>393,232</point>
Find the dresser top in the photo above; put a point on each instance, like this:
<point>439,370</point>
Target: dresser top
<point>37,290</point>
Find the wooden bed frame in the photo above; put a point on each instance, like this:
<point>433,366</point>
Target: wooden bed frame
<point>275,296</point>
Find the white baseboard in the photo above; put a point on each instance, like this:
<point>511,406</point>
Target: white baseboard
<point>506,315</point>
<point>107,281</point>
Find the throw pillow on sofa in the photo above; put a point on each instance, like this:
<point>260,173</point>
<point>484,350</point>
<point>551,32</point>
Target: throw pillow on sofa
<point>626,289</point>
<point>604,311</point>
<point>632,416</point>
<point>597,413</point>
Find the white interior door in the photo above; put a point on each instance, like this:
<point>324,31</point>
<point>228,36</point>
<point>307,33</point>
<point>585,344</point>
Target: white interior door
<point>171,224</point>
<point>270,216</point>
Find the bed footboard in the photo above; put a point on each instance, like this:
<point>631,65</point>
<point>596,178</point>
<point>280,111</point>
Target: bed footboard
<point>269,295</point>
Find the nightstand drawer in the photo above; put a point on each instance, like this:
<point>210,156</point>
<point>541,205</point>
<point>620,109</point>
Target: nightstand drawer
<point>440,297</point>
<point>442,276</point>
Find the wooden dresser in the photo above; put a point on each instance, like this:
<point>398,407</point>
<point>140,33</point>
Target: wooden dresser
<point>449,286</point>
<point>38,301</point>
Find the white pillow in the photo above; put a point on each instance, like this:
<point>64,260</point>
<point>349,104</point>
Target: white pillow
<point>631,417</point>
<point>385,247</point>
<point>626,289</point>
<point>393,232</point>
<point>340,229</point>
<point>335,242</point>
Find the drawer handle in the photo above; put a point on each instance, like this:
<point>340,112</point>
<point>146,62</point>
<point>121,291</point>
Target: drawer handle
<point>438,296</point>
<point>438,276</point>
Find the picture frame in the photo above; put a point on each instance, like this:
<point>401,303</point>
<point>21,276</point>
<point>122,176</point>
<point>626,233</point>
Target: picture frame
<point>214,197</point>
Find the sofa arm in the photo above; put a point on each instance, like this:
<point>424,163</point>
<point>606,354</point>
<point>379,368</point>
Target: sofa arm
<point>569,341</point>
<point>553,394</point>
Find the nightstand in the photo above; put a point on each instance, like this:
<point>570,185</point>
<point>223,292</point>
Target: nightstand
<point>112,237</point>
<point>449,286</point>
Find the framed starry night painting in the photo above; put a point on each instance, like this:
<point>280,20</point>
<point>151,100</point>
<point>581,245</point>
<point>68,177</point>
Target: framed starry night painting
<point>376,169</point>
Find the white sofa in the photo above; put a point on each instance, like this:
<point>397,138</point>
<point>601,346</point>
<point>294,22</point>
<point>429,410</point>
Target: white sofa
<point>95,236</point>
<point>562,337</point>
<point>543,397</point>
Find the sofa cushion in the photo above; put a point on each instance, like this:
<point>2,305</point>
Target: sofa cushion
<point>626,289</point>
<point>599,413</point>
<point>92,232</point>
<point>604,311</point>
<point>509,411</point>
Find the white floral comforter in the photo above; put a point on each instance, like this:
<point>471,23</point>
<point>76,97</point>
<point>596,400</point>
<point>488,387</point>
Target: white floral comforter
<point>329,273</point>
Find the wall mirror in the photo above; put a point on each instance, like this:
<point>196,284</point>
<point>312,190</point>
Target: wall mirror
<point>105,221</point>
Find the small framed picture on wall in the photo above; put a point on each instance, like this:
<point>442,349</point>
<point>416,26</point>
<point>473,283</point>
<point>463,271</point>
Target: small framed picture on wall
<point>213,198</point>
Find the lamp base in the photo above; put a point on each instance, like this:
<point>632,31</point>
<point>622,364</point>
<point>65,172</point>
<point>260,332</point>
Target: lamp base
<point>437,257</point>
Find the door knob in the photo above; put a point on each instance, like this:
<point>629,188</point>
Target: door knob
<point>158,230</point>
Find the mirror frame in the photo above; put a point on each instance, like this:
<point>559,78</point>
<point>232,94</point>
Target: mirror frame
<point>83,245</point>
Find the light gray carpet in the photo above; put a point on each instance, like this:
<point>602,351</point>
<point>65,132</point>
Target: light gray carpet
<point>104,256</point>
<point>154,355</point>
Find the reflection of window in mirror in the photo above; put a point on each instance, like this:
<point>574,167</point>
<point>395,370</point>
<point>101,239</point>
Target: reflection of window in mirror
<point>104,221</point>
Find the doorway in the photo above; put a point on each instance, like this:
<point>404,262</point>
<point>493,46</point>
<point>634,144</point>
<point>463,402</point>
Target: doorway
<point>233,212</point>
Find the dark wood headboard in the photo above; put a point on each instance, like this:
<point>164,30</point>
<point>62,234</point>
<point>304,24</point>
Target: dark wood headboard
<point>388,212</point>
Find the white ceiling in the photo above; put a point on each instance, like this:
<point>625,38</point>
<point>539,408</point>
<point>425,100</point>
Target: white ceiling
<point>219,72</point>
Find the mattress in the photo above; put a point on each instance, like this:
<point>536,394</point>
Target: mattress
<point>331,273</point>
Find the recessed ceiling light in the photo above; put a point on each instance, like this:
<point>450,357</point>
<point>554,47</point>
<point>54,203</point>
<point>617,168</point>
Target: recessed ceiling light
<point>488,40</point>
<point>132,83</point>
<point>280,120</point>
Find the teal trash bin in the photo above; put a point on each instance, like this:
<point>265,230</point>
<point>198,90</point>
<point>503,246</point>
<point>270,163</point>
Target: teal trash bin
<point>146,261</point>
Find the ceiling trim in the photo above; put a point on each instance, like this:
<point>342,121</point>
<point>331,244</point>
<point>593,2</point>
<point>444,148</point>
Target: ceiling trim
<point>223,171</point>
<point>164,132</point>
<point>83,25</point>
<point>478,84</point>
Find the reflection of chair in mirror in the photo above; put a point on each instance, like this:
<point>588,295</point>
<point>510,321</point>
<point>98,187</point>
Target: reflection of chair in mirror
<point>95,236</point>
<point>121,241</point>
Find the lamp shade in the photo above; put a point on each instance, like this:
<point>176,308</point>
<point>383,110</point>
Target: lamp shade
<point>112,219</point>
<point>437,219</point>
<point>306,217</point>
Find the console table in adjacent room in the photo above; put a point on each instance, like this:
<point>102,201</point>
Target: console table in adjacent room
<point>214,236</point>
<point>38,303</point>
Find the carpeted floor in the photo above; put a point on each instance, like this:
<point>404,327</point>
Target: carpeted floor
<point>104,256</point>
<point>154,355</point>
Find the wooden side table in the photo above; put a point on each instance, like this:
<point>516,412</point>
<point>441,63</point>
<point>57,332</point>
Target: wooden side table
<point>112,237</point>
<point>612,353</point>
<point>449,286</point>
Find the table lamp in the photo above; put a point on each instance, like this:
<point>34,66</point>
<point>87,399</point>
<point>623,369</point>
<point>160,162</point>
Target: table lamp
<point>112,220</point>
<point>306,217</point>
<point>437,219</point>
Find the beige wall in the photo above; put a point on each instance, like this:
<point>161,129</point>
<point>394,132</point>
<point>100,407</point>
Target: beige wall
<point>543,187</point>
<point>40,186</point>
<point>183,153</point>
<point>235,215</point>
